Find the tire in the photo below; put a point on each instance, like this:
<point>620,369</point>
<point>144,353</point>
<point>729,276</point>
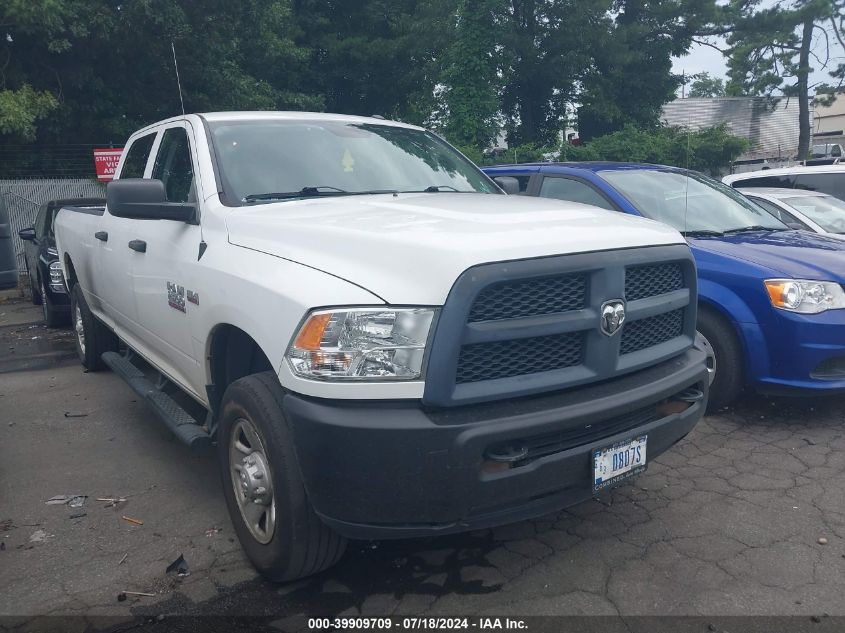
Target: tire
<point>729,379</point>
<point>34,295</point>
<point>93,338</point>
<point>294,543</point>
<point>52,317</point>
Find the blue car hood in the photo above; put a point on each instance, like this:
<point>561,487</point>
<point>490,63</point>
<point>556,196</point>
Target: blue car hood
<point>796,254</point>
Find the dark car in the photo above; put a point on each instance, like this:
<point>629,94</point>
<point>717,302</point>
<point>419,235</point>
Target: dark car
<point>42,260</point>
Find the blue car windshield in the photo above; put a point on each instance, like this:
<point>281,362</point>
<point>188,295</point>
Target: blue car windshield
<point>266,160</point>
<point>690,202</point>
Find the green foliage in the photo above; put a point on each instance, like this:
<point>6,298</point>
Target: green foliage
<point>703,85</point>
<point>709,150</point>
<point>82,71</point>
<point>630,76</point>
<point>771,47</point>
<point>471,93</point>
<point>21,109</point>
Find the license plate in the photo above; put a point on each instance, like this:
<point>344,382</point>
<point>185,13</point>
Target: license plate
<point>614,463</point>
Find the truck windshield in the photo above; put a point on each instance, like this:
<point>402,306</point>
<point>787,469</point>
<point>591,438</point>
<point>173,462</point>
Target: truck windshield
<point>826,211</point>
<point>691,202</point>
<point>270,160</point>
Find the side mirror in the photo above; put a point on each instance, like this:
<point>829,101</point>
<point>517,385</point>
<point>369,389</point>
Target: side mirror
<point>509,184</point>
<point>27,235</point>
<point>145,199</point>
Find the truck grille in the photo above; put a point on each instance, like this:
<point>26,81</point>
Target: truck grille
<point>530,297</point>
<point>503,359</point>
<point>648,281</point>
<point>530,326</point>
<point>651,331</point>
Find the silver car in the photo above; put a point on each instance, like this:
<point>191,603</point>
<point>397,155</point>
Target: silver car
<point>801,209</point>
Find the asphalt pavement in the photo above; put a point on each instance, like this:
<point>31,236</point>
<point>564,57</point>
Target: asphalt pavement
<point>745,516</point>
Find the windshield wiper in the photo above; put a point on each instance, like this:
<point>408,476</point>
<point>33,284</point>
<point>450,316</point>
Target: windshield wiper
<point>302,193</point>
<point>754,227</point>
<point>702,233</point>
<point>312,192</point>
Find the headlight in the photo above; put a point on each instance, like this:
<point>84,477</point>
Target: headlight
<point>362,344</point>
<point>805,296</point>
<point>52,251</point>
<point>57,279</point>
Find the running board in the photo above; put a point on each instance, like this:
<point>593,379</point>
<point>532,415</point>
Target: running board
<point>175,418</point>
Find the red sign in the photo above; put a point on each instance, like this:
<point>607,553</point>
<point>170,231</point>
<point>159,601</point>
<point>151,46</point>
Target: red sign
<point>105,161</point>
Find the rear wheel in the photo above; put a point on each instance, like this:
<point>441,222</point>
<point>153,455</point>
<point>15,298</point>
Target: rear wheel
<point>92,337</point>
<point>724,359</point>
<point>273,518</point>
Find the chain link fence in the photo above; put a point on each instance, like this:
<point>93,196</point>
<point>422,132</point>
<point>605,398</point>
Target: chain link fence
<point>24,196</point>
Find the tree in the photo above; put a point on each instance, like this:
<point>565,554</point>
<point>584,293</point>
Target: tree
<point>703,85</point>
<point>109,66</point>
<point>545,46</point>
<point>471,77</point>
<point>771,49</point>
<point>375,56</point>
<point>21,109</point>
<point>630,75</point>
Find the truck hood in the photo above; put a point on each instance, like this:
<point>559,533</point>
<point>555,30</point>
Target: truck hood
<point>410,248</point>
<point>796,254</point>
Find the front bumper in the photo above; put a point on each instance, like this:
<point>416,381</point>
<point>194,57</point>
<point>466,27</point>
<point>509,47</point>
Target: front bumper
<point>395,470</point>
<point>803,352</point>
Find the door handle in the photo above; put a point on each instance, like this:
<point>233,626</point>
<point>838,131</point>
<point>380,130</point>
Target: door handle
<point>138,245</point>
<point>102,236</point>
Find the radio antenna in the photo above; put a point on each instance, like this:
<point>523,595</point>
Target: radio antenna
<point>178,82</point>
<point>686,179</point>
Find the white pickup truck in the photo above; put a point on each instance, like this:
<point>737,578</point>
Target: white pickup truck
<point>379,341</point>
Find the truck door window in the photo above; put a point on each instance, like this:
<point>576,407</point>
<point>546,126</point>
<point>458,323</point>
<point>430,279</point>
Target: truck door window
<point>574,191</point>
<point>173,165</point>
<point>136,157</point>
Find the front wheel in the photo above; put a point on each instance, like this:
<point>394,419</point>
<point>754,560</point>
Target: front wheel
<point>34,295</point>
<point>724,360</point>
<point>273,518</point>
<point>92,337</point>
<point>52,317</point>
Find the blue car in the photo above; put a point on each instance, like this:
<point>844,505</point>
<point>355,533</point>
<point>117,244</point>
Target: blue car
<point>771,299</point>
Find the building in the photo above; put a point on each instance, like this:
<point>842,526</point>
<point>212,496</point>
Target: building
<point>769,123</point>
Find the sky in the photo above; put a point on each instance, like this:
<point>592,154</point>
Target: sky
<point>705,59</point>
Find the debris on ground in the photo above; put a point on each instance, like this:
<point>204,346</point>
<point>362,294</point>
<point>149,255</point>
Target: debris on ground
<point>74,501</point>
<point>2,546</point>
<point>178,567</point>
<point>78,515</point>
<point>122,595</point>
<point>68,414</point>
<point>132,521</point>
<point>6,525</point>
<point>39,536</point>
<point>112,501</point>
<point>822,540</point>
<point>123,559</point>
<point>212,531</point>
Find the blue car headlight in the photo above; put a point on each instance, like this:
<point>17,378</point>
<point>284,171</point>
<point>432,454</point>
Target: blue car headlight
<point>804,295</point>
